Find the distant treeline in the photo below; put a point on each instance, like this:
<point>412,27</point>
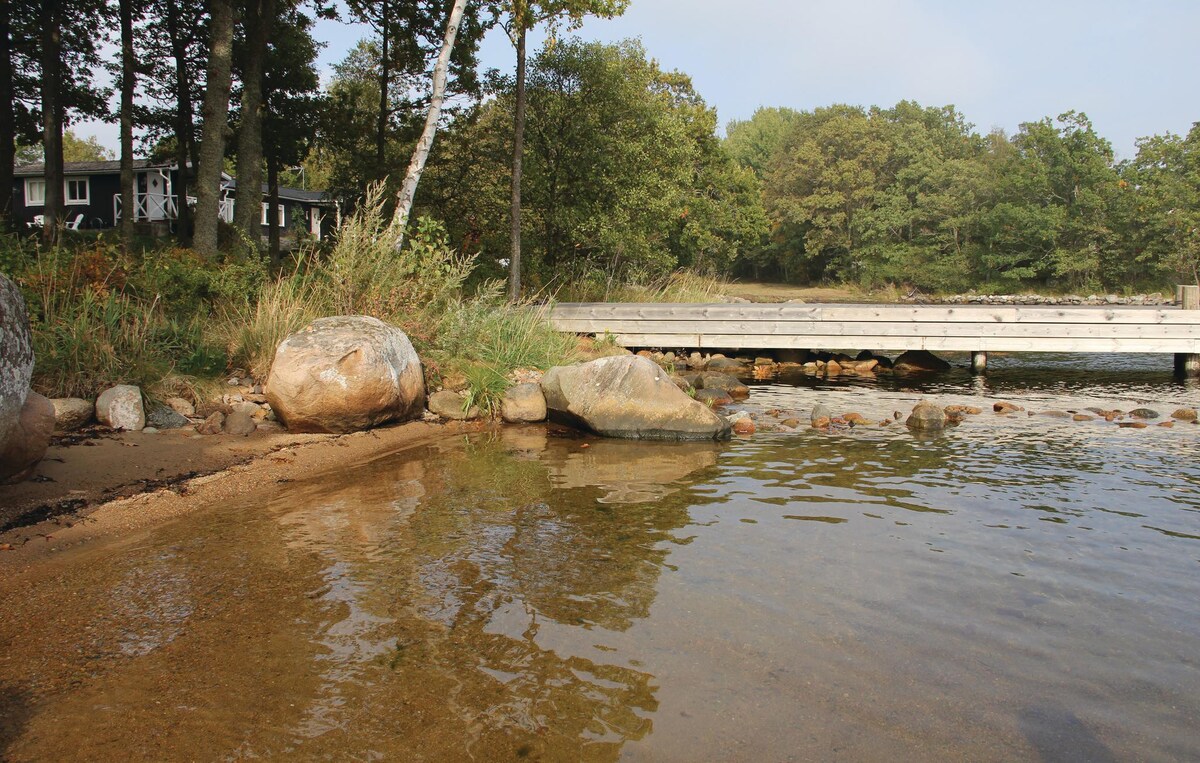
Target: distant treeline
<point>625,179</point>
<point>913,195</point>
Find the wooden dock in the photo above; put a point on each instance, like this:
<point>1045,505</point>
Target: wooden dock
<point>891,327</point>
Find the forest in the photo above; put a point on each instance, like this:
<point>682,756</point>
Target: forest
<point>590,172</point>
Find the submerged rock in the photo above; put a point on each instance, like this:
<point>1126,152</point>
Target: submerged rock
<point>820,416</point>
<point>629,397</point>
<point>27,441</point>
<point>1184,414</point>
<point>345,373</point>
<point>713,397</point>
<point>725,383</point>
<point>926,417</point>
<point>916,361</point>
<point>120,407</point>
<point>1143,413</point>
<point>1003,407</point>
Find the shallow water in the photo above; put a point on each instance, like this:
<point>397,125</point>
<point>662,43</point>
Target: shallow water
<point>1018,588</point>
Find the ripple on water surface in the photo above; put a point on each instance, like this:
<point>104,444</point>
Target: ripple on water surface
<point>1018,588</point>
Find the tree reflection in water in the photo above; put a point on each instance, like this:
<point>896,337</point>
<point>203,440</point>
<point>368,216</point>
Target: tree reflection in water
<point>476,582</point>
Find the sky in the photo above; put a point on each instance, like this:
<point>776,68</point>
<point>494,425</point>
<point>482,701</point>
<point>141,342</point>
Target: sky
<point>1130,65</point>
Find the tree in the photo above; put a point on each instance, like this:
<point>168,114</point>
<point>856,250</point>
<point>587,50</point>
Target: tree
<point>409,189</point>
<point>753,142</point>
<point>521,17</point>
<point>128,83</point>
<point>260,18</point>
<point>1165,181</point>
<point>216,114</point>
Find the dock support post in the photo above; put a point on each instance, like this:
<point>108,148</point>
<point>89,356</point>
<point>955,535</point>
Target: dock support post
<point>979,362</point>
<point>1188,364</point>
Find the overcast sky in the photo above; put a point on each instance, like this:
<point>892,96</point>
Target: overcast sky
<point>1132,65</point>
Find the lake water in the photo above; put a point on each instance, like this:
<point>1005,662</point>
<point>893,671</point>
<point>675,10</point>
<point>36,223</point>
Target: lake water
<point>1018,588</point>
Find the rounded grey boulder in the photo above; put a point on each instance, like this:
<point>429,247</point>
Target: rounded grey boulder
<point>16,361</point>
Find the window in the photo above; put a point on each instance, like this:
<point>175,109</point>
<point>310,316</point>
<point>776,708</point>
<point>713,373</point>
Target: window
<point>266,210</point>
<point>35,192</point>
<point>76,191</point>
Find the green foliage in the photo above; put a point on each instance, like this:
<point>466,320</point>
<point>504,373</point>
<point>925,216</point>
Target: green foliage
<point>623,174</point>
<point>485,388</point>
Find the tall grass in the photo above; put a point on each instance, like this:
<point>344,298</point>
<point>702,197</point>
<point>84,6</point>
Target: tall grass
<point>679,286</point>
<point>418,288</point>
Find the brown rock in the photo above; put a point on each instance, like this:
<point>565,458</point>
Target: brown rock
<point>214,424</point>
<point>793,423</point>
<point>854,418</point>
<point>26,443</point>
<point>713,397</point>
<point>71,413</point>
<point>241,422</point>
<point>1166,424</point>
<point>1184,414</point>
<point>821,422</point>
<point>1003,407</point>
<point>1132,424</point>
<point>181,406</point>
<point>452,405</point>
<point>1082,417</point>
<point>833,368</point>
<point>744,426</point>
<point>968,410</point>
<point>926,417</point>
<point>523,403</point>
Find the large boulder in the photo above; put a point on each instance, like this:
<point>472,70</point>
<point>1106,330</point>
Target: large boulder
<point>16,361</point>
<point>28,440</point>
<point>344,374</point>
<point>628,397</point>
<point>120,407</point>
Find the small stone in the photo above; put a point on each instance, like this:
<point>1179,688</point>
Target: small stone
<point>833,368</point>
<point>1082,417</point>
<point>523,403</point>
<point>213,424</point>
<point>1184,414</point>
<point>452,405</point>
<point>1144,413</point>
<point>793,423</point>
<point>149,430</point>
<point>164,417</point>
<point>1132,424</point>
<point>71,413</point>
<point>1056,414</point>
<point>180,406</point>
<point>1166,424</point>
<point>744,426</point>
<point>713,397</point>
<point>969,410</point>
<point>1003,407</point>
<point>819,412</point>
<point>241,422</point>
<point>821,422</point>
<point>120,407</point>
<point>854,418</point>
<point>926,417</point>
<point>729,384</point>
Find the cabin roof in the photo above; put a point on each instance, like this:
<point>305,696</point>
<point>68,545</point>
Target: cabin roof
<point>87,168</point>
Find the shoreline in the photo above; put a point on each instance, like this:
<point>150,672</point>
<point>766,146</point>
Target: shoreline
<point>139,493</point>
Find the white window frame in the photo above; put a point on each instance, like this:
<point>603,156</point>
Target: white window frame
<point>266,206</point>
<point>35,199</point>
<point>87,191</point>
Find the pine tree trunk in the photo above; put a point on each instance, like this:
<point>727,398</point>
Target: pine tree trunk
<point>52,113</point>
<point>408,190</point>
<point>183,125</point>
<point>212,136</point>
<point>381,121</point>
<point>259,20</point>
<point>8,135</point>
<point>128,74</point>
<point>514,265</point>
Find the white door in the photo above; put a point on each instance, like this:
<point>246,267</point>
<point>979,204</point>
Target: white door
<point>154,188</point>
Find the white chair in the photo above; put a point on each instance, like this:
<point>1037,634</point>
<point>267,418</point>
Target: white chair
<point>76,222</point>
